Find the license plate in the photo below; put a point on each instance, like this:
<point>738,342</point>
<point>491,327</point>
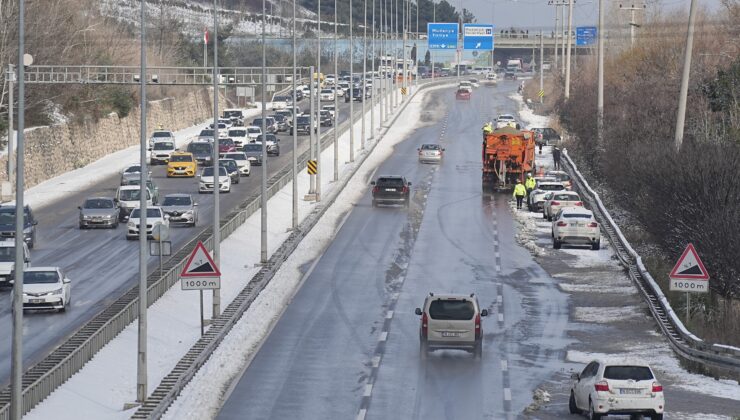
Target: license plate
<point>37,301</point>
<point>450,334</point>
<point>631,391</point>
<point>390,189</point>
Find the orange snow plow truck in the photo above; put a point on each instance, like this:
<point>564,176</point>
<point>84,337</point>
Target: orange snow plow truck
<point>508,155</point>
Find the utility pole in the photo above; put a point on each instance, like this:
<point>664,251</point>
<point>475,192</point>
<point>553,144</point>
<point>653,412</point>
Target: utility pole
<point>141,365</point>
<point>216,304</point>
<point>562,38</point>
<point>570,41</point>
<point>681,115</point>
<point>372,78</point>
<point>404,32</point>
<point>381,82</point>
<point>600,89</point>
<point>364,73</point>
<point>632,9</point>
<point>351,88</point>
<point>311,120</point>
<point>10,77</point>
<point>263,192</point>
<point>557,4</point>
<point>319,80</point>
<point>16,387</point>
<point>336,99</point>
<point>295,124</point>
<point>542,61</point>
<point>431,52</point>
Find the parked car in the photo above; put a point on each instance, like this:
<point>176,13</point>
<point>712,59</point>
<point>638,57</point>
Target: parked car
<point>46,288</point>
<point>391,189</point>
<point>254,153</point>
<point>181,209</point>
<point>161,151</point>
<point>242,162</point>
<point>231,168</point>
<point>273,145</point>
<point>561,176</point>
<point>620,387</point>
<point>556,200</point>
<point>430,153</point>
<point>451,321</point>
<point>207,180</point>
<point>7,224</point>
<point>507,120</point>
<point>575,226</point>
<point>99,212</point>
<point>182,164</point>
<point>154,216</point>
<point>202,151</point>
<point>128,199</point>
<point>537,196</point>
<point>7,261</point>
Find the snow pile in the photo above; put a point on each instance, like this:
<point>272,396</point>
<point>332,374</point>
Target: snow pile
<point>539,397</point>
<point>603,315</point>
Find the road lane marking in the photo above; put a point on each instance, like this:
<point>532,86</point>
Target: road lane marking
<point>389,315</point>
<point>376,361</point>
<point>361,415</point>
<point>368,390</point>
<point>504,365</point>
<point>383,336</point>
<point>500,317</point>
<point>507,394</point>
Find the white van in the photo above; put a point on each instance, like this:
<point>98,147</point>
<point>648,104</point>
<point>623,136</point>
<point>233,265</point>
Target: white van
<point>7,261</point>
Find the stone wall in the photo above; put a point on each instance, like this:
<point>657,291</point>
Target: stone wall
<point>54,150</point>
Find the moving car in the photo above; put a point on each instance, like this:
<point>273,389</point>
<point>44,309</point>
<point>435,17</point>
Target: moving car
<point>207,180</point>
<point>239,136</point>
<point>46,288</point>
<point>154,216</point>
<point>252,133</point>
<point>326,95</point>
<point>128,199</point>
<point>302,125</point>
<point>575,226</point>
<point>556,200</point>
<point>282,122</point>
<point>462,94</point>
<point>620,387</point>
<point>181,209</point>
<point>182,164</point>
<point>451,321</point>
<point>330,108</point>
<point>430,153</point>
<point>202,151</point>
<point>506,120</point>
<point>131,173</point>
<point>474,83</point>
<point>7,261</point>
<point>391,189</point>
<point>7,224</point>
<point>326,118</point>
<point>152,187</point>
<point>231,168</point>
<point>537,196</point>
<point>205,135</point>
<point>236,116</point>
<point>465,85</point>
<point>270,125</point>
<point>161,151</point>
<point>242,162</point>
<point>99,212</point>
<point>510,75</point>
<point>281,102</point>
<point>253,151</point>
<point>226,145</point>
<point>161,135</point>
<point>273,146</point>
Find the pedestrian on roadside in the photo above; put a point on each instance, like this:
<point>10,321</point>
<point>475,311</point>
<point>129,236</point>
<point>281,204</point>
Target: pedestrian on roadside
<point>519,193</point>
<point>556,157</point>
<point>540,146</point>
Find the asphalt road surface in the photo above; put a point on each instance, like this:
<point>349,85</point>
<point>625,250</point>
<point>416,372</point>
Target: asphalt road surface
<point>348,343</point>
<point>101,263</point>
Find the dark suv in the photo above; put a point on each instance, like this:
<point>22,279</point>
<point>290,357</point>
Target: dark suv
<point>7,224</point>
<point>391,190</point>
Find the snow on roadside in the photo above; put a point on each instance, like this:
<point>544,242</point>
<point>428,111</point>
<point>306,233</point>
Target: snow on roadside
<point>204,395</point>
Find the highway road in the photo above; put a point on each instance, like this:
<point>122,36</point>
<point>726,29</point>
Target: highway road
<point>101,263</point>
<point>348,343</point>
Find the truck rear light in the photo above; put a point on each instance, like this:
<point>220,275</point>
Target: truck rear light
<point>424,322</point>
<point>477,326</point>
<point>562,224</point>
<point>657,387</point>
<point>593,225</point>
<point>602,386</point>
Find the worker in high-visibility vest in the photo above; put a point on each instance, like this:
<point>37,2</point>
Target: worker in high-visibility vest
<point>519,193</point>
<point>529,184</point>
<point>487,128</point>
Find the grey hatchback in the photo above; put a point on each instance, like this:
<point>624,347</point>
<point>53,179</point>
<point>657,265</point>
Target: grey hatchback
<point>181,208</point>
<point>99,212</point>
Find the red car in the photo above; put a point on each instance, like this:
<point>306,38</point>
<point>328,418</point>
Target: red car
<point>226,145</point>
<point>463,94</point>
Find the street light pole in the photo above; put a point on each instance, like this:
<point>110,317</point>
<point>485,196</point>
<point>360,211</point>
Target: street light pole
<point>381,80</point>
<point>141,365</point>
<point>562,38</point>
<point>216,304</point>
<point>683,94</point>
<point>364,72</point>
<point>11,79</point>
<point>295,132</point>
<point>336,98</point>
<point>372,79</point>
<point>567,58</point>
<point>600,88</point>
<point>351,89</point>
<point>319,80</point>
<point>263,192</point>
<point>542,62</point>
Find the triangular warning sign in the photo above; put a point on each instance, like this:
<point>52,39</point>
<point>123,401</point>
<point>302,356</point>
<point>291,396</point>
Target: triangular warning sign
<point>200,264</point>
<point>689,266</point>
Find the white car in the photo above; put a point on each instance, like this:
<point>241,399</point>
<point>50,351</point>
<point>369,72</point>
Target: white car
<point>331,109</point>
<point>561,176</point>
<point>465,85</point>
<point>161,135</point>
<point>451,322</point>
<point>306,91</point>
<point>506,120</point>
<point>344,86</point>
<point>206,182</point>
<point>245,166</point>
<point>577,226</point>
<point>46,288</point>
<point>620,387</point>
<point>223,129</point>
<point>161,151</point>
<point>474,82</point>
<point>330,79</point>
<point>430,153</point>
<point>7,261</point>
<point>281,102</point>
<point>240,136</point>
<point>225,121</point>
<point>556,200</point>
<point>154,216</point>
<point>326,95</point>
<point>537,196</point>
<point>253,132</point>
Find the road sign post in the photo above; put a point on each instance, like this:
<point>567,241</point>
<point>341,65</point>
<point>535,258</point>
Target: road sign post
<point>689,275</point>
<point>200,273</point>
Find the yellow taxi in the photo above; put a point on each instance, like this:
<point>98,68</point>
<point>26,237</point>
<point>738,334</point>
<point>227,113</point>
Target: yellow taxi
<point>182,164</point>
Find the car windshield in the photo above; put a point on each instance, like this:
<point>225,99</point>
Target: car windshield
<point>270,137</point>
<point>623,373</point>
<point>229,114</point>
<point>235,156</point>
<point>228,164</point>
<point>98,203</point>
<point>253,147</point>
<point>329,91</point>
<point>181,158</point>
<point>225,142</point>
<point>164,145</point>
<point>576,215</point>
<point>237,133</point>
<point>254,130</point>
<point>40,277</point>
<point>135,214</point>
<point>390,182</point>
<point>7,253</point>
<point>302,120</point>
<point>209,171</point>
<point>560,176</point>
<point>176,201</point>
<point>159,134</point>
<point>133,169</point>
<point>550,187</point>
<point>206,133</point>
<point>131,195</point>
<point>429,147</point>
<point>567,197</point>
<point>455,310</point>
<point>200,148</point>
<point>7,216</point>
<point>505,117</point>
<point>258,122</point>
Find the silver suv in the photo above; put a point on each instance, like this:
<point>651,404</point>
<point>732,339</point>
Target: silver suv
<point>451,322</point>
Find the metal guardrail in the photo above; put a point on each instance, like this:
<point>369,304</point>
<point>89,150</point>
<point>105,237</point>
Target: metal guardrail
<point>52,371</point>
<point>721,360</point>
<point>169,389</point>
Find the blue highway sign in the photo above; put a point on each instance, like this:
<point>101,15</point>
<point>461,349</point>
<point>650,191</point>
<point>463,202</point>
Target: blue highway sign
<point>478,36</point>
<point>442,36</point>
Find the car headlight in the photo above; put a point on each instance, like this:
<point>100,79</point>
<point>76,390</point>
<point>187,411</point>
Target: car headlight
<point>107,216</point>
<point>56,292</point>
<point>131,224</point>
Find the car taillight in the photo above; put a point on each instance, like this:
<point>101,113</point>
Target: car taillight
<point>602,386</point>
<point>477,326</point>
<point>561,224</point>
<point>424,320</point>
<point>657,387</point>
<point>405,189</point>
<point>578,203</point>
<point>375,189</point>
<point>555,203</point>
<point>593,224</point>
